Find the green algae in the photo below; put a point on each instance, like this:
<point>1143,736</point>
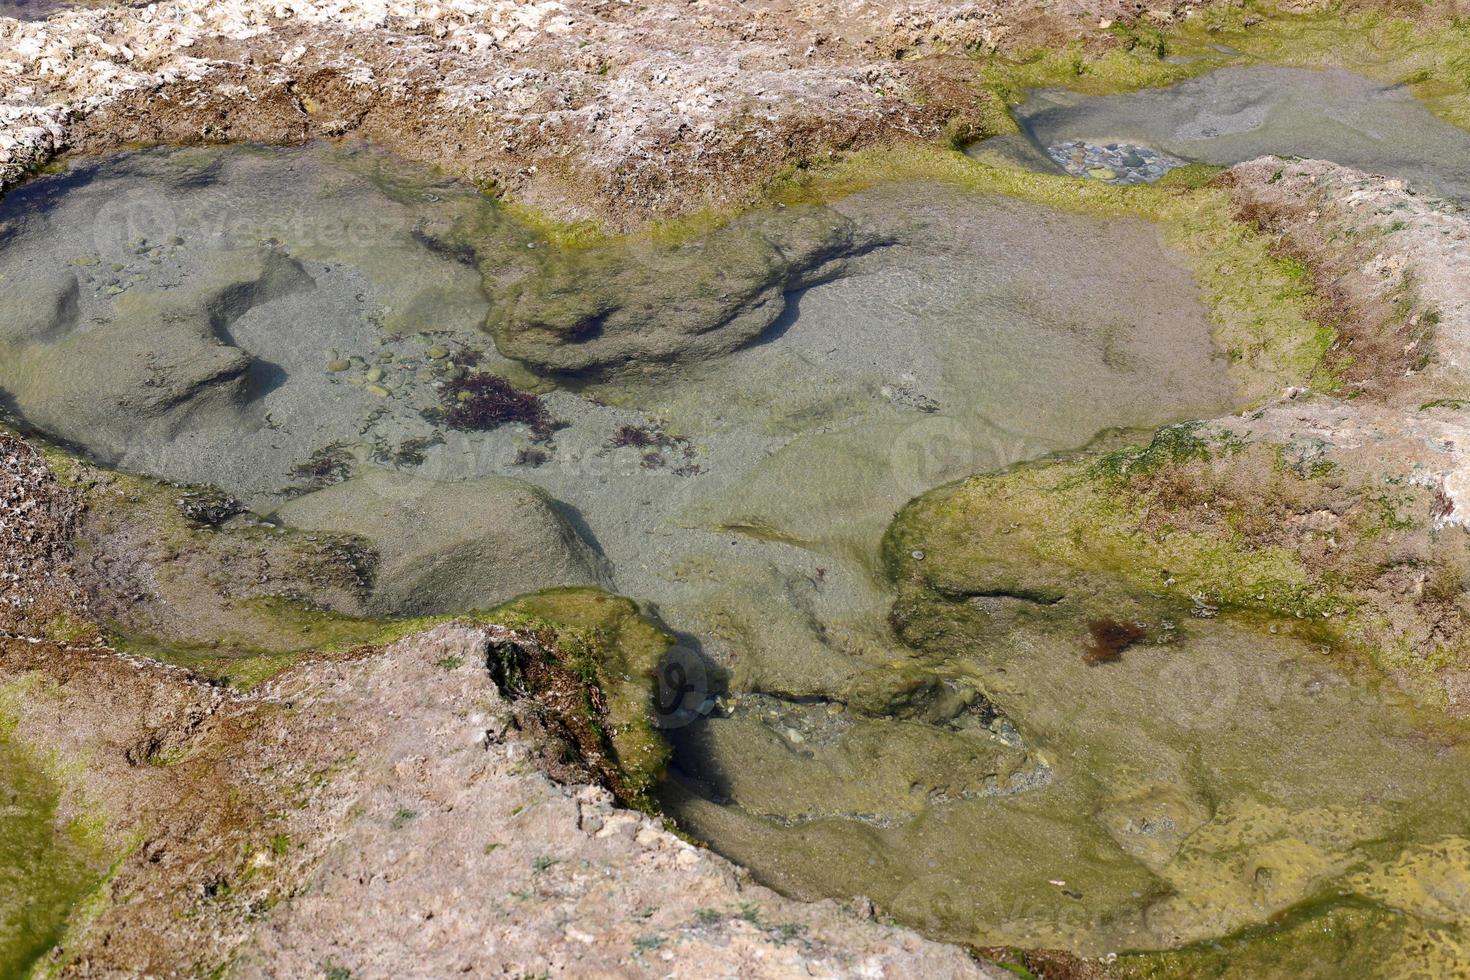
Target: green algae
<point>1324,940</point>
<point>246,659</point>
<point>1197,517</point>
<point>44,868</point>
<point>613,647</point>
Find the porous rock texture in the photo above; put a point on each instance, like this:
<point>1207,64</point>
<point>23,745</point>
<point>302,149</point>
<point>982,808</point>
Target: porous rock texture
<point>582,107</point>
<point>386,813</point>
<point>1395,432</point>
<point>38,520</point>
<point>1400,264</point>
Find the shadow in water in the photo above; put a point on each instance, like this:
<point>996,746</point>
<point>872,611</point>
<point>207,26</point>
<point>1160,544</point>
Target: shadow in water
<point>785,321</point>
<point>263,377</point>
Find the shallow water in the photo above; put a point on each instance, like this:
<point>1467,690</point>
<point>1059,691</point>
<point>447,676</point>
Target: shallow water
<point>175,312</point>
<point>1184,793</point>
<point>229,316</point>
<point>1238,114</point>
<point>34,9</point>
<point>179,313</point>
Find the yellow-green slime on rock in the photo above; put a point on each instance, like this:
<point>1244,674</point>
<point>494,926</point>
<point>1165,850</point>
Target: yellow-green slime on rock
<point>1197,516</point>
<point>48,868</point>
<point>603,638</point>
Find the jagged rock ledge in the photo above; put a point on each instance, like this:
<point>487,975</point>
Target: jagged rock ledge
<point>386,813</point>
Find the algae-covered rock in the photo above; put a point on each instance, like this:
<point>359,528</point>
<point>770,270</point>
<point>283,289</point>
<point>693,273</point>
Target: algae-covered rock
<point>164,358</point>
<point>879,771</point>
<point>605,640</point>
<point>450,547</point>
<point>43,868</point>
<point>641,304</point>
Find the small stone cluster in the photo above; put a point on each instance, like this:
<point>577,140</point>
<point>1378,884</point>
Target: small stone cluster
<point>38,518</point>
<point>1116,163</point>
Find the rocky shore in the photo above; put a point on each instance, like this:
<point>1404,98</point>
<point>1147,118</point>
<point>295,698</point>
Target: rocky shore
<point>339,795</point>
<point>386,814</point>
<point>582,108</point>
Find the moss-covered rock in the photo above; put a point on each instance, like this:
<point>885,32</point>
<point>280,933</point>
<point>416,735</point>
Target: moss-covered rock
<point>639,303</point>
<point>606,642</point>
<point>1278,532</point>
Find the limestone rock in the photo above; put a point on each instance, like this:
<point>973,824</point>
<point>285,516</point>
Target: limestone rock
<point>451,547</point>
<point>632,307</point>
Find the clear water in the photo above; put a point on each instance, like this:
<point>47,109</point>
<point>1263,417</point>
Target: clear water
<point>32,9</point>
<point>188,314</point>
<point>1238,114</point>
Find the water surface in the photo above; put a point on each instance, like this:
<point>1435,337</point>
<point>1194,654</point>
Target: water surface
<point>1237,114</point>
<point>238,316</point>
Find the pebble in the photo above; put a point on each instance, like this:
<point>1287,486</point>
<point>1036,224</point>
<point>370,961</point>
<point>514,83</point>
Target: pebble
<point>379,390</point>
<point>438,353</point>
<point>375,374</point>
<point>338,366</point>
<point>1115,163</point>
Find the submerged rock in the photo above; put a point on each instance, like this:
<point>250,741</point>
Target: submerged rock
<point>638,306</point>
<point>1115,163</point>
<point>451,547</point>
<point>294,316</point>
<point>165,360</point>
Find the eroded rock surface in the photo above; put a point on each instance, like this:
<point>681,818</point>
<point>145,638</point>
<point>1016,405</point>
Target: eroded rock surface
<point>384,813</point>
<point>451,547</point>
<point>577,107</point>
<point>38,522</point>
<point>623,312</point>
